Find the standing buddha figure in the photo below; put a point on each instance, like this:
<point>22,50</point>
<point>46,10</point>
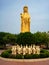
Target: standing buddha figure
<point>25,20</point>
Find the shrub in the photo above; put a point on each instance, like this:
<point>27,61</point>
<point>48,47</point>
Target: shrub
<point>43,51</point>
<point>5,54</point>
<point>19,56</point>
<point>35,56</point>
<point>28,56</point>
<point>31,56</point>
<point>12,56</point>
<point>43,54</point>
<point>47,54</point>
<point>9,51</point>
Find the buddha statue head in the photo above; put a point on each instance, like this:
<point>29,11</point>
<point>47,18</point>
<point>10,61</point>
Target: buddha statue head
<point>25,9</point>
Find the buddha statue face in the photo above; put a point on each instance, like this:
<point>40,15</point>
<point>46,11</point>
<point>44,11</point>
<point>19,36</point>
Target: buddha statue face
<point>25,9</point>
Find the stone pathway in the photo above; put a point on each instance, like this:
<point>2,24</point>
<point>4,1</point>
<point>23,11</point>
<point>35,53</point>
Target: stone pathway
<point>3,62</point>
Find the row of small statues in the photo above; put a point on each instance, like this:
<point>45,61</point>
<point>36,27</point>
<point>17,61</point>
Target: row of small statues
<point>19,49</point>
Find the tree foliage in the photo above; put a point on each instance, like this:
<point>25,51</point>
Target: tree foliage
<point>6,38</point>
<point>28,38</point>
<point>25,38</point>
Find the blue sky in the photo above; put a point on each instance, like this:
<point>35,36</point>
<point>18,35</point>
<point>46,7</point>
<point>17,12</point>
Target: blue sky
<point>10,15</point>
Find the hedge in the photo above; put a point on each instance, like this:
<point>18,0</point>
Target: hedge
<point>43,54</point>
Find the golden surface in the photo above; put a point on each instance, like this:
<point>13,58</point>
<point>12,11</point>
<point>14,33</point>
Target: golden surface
<point>25,20</point>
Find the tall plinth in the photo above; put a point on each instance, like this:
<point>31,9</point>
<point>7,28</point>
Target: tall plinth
<point>25,20</point>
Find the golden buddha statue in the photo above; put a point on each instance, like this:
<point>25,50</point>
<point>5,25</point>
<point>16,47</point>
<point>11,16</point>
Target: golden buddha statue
<point>25,20</point>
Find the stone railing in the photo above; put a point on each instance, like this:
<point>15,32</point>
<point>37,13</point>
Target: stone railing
<point>25,49</point>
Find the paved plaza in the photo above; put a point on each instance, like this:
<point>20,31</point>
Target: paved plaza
<point>3,62</point>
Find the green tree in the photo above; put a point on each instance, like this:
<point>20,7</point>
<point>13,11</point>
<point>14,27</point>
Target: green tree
<point>2,42</point>
<point>25,38</point>
<point>10,39</point>
<point>37,38</point>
